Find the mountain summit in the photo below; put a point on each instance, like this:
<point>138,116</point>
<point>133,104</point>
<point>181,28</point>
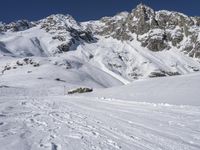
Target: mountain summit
<point>156,30</point>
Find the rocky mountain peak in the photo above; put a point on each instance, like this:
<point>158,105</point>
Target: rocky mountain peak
<point>59,20</point>
<point>66,30</point>
<point>155,30</point>
<point>141,19</point>
<point>143,11</point>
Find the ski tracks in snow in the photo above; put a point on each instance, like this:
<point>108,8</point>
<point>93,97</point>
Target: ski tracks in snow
<point>57,123</point>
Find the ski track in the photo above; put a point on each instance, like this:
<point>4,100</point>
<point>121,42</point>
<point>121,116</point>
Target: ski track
<point>56,123</point>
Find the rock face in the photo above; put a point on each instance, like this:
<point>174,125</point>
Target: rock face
<point>20,25</point>
<point>65,29</point>
<point>156,30</point>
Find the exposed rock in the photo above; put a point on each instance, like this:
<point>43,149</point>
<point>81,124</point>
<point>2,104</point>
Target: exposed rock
<point>156,44</point>
<point>173,28</point>
<point>61,26</point>
<point>36,65</point>
<point>20,25</point>
<point>141,20</point>
<point>162,73</point>
<point>157,74</point>
<point>19,63</point>
<point>64,47</point>
<point>155,41</point>
<point>58,79</point>
<point>80,90</point>
<point>60,38</point>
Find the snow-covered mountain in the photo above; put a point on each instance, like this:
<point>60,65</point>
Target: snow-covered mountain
<point>41,61</point>
<point>54,34</point>
<point>140,44</point>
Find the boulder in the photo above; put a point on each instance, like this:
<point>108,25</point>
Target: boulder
<point>80,90</point>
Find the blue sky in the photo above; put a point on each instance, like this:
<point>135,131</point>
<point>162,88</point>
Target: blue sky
<point>82,10</point>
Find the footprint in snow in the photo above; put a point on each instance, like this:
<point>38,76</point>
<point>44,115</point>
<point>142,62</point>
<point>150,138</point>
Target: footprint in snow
<point>54,146</point>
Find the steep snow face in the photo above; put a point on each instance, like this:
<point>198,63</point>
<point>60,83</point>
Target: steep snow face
<point>32,42</point>
<point>131,61</point>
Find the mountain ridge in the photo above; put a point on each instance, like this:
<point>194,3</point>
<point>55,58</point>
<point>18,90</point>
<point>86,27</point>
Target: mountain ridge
<point>132,45</point>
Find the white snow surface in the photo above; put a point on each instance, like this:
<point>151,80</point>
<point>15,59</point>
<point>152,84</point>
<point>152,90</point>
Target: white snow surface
<point>37,114</point>
<point>78,123</point>
<point>179,90</point>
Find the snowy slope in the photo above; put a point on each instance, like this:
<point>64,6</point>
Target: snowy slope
<point>131,61</point>
<point>126,59</point>
<point>44,71</point>
<point>26,43</point>
<point>75,123</point>
<point>179,90</point>
<point>36,116</point>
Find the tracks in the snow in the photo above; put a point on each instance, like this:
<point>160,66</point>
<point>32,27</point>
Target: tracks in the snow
<point>56,123</point>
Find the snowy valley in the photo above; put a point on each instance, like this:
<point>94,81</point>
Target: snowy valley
<point>143,67</point>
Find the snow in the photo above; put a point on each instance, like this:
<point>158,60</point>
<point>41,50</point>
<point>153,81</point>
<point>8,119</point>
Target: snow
<point>179,90</point>
<point>73,122</point>
<point>51,68</point>
<point>126,110</point>
<point>36,112</point>
<point>116,76</point>
<point>32,42</point>
<point>63,20</point>
<point>126,58</point>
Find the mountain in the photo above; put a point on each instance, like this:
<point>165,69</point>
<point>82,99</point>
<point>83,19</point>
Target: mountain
<point>54,34</point>
<point>132,45</point>
<point>119,59</point>
<point>156,30</point>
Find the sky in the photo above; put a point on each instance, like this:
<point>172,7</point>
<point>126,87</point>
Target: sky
<point>84,10</point>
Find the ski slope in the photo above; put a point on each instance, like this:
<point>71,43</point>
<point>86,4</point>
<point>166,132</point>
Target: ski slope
<point>36,115</point>
<point>78,122</point>
<point>42,118</point>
